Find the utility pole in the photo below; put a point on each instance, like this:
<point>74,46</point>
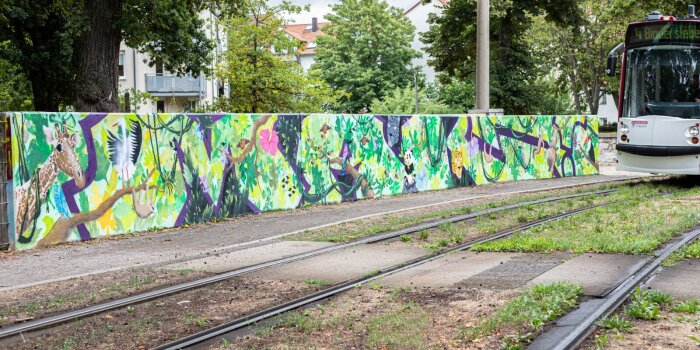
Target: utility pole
<point>482,55</point>
<point>415,87</point>
<point>483,105</point>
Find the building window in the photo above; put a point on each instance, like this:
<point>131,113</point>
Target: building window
<point>121,65</point>
<point>159,68</point>
<point>191,106</point>
<point>160,106</point>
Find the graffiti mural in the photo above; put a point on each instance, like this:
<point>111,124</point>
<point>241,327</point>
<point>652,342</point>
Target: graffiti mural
<point>79,176</point>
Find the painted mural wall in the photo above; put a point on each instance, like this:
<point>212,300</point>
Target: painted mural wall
<point>79,176</point>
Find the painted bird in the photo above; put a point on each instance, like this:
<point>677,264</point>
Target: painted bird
<point>124,148</point>
<point>59,200</point>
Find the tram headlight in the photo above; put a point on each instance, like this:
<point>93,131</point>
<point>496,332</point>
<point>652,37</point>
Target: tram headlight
<point>624,129</point>
<point>693,130</point>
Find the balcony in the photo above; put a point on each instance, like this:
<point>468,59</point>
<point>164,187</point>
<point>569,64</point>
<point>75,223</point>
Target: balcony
<point>172,85</point>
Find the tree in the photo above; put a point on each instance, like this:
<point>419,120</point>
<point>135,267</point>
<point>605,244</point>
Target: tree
<point>403,101</point>
<point>460,96</point>
<point>260,65</point>
<point>366,51</point>
<point>68,45</point>
<point>15,90</point>
<point>38,36</point>
<point>579,51</point>
<point>451,41</point>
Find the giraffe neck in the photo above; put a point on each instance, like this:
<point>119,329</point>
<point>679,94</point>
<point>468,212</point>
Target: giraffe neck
<point>47,175</point>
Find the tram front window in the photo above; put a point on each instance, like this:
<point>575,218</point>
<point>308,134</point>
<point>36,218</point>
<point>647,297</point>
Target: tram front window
<point>663,80</point>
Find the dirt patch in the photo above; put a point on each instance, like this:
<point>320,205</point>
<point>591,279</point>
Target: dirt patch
<point>375,317</point>
<point>25,304</point>
<point>671,331</point>
<point>154,323</point>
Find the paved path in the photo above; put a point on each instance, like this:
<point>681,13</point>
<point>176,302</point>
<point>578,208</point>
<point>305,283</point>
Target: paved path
<point>73,260</point>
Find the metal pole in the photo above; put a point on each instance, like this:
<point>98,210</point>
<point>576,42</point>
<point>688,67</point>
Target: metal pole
<point>482,56</point>
<point>415,87</point>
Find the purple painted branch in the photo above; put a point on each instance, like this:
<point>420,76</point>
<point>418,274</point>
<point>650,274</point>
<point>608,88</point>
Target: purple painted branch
<point>70,189</point>
<point>181,160</point>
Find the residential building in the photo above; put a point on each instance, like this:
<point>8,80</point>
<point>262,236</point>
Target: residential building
<point>175,94</point>
<point>417,13</point>
<point>306,34</point>
<point>607,110</point>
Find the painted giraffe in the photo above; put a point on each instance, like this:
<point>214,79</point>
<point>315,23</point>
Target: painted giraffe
<point>62,158</point>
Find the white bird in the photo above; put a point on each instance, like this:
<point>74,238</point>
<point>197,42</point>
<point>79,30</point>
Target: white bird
<point>124,149</point>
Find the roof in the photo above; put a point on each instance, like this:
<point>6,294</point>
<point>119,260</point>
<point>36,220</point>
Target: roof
<point>420,2</point>
<point>300,32</point>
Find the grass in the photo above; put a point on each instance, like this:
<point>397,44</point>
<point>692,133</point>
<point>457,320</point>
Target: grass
<point>424,235</point>
<point>318,282</point>
<point>616,323</point>
<point>438,244</point>
<point>401,327</point>
<point>637,226</point>
<point>351,231</point>
<point>643,306</point>
<point>304,321</point>
<point>690,306</point>
<point>399,291</point>
<point>404,328</point>
<point>527,312</point>
<point>690,251</point>
<point>190,318</point>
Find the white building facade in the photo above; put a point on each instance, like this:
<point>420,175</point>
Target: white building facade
<point>174,94</point>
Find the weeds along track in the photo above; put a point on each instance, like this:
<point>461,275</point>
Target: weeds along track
<point>233,328</point>
<point>57,319</point>
<point>572,329</point>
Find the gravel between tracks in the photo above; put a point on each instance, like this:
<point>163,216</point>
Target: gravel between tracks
<point>152,323</point>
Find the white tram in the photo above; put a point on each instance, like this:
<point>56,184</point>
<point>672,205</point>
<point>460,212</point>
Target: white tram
<point>659,109</point>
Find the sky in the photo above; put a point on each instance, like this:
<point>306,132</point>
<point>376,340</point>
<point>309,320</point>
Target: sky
<point>320,8</point>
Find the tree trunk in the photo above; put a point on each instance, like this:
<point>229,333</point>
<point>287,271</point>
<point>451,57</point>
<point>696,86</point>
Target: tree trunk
<point>574,89</point>
<point>98,54</point>
<point>44,98</point>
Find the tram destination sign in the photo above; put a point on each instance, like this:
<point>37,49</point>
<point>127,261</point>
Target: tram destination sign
<point>650,33</point>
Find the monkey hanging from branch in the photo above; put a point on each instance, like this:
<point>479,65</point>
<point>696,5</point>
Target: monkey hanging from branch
<point>143,205</point>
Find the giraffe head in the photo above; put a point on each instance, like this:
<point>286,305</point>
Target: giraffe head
<point>64,152</point>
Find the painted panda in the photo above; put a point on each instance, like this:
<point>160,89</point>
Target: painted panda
<point>409,181</point>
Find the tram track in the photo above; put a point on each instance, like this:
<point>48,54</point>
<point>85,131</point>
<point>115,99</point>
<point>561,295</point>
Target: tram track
<point>209,335</point>
<point>58,319</point>
<point>572,330</point>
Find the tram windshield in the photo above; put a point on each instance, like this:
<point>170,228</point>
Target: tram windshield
<point>663,80</point>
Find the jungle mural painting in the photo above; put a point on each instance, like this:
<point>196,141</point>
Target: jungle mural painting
<point>79,176</point>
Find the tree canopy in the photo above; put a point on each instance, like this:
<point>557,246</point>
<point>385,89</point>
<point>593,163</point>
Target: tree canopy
<point>366,51</point>
<point>260,65</point>
<point>451,41</point>
<point>403,101</point>
<point>578,51</point>
<point>15,90</point>
<point>69,49</point>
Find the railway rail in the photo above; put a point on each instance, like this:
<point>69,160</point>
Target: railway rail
<point>212,334</point>
<point>58,319</point>
<point>571,330</point>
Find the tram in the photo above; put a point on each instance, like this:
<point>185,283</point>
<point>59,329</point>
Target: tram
<point>659,108</point>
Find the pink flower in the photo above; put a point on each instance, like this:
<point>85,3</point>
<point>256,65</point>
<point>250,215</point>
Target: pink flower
<point>268,141</point>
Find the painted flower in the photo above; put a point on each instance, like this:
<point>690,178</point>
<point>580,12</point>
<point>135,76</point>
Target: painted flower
<point>473,146</point>
<point>269,141</point>
<point>224,156</point>
<point>422,180</point>
<point>203,183</point>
